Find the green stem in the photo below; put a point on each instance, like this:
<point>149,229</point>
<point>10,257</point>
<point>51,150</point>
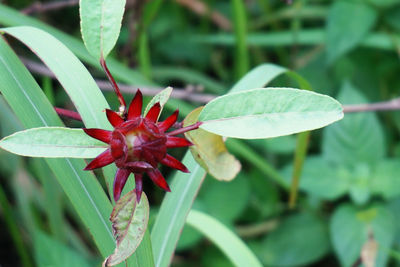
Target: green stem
<point>240,25</point>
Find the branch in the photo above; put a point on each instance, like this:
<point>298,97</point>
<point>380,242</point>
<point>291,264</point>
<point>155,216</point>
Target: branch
<point>184,94</point>
<point>39,7</point>
<point>178,93</point>
<point>393,104</point>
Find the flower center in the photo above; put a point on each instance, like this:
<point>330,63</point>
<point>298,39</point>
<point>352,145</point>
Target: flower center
<point>138,140</point>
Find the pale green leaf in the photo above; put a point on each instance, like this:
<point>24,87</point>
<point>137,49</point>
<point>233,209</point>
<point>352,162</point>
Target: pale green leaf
<point>100,25</point>
<point>230,244</point>
<point>162,98</point>
<point>53,142</point>
<point>263,74</point>
<point>350,228</point>
<point>258,77</point>
<point>129,222</point>
<point>269,112</point>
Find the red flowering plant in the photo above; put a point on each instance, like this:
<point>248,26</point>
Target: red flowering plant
<point>138,142</point>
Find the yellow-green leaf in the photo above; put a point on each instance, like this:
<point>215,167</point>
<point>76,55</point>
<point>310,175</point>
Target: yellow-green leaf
<point>210,152</point>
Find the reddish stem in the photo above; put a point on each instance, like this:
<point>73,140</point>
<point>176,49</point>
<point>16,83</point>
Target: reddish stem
<point>186,129</point>
<point>114,85</point>
<point>68,113</point>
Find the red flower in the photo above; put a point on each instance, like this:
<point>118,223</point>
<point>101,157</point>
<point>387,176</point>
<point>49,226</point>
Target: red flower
<point>138,144</point>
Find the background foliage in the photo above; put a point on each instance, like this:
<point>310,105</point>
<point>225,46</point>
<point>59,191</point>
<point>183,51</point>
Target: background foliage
<point>349,187</point>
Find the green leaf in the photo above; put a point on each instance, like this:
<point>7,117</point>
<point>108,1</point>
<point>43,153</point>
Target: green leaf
<point>384,3</point>
<point>360,183</point>
<point>258,77</point>
<point>385,180</point>
<point>53,142</point>
<point>234,248</point>
<point>12,17</point>
<point>100,25</point>
<point>51,252</point>
<point>349,231</point>
<point>72,74</point>
<point>322,178</point>
<point>300,240</point>
<point>174,209</point>
<point>162,98</point>
<point>129,226</point>
<point>357,138</point>
<point>33,109</point>
<point>216,194</point>
<point>210,152</point>
<point>269,112</point>
<point>263,74</point>
<point>347,25</point>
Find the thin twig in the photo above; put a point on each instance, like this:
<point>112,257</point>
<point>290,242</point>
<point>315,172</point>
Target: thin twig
<point>39,7</point>
<point>202,9</point>
<point>178,93</point>
<point>184,94</point>
<point>393,104</point>
<point>258,229</point>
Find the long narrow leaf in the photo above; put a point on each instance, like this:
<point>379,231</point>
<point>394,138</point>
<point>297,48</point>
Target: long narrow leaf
<point>234,248</point>
<point>33,109</point>
<point>11,17</point>
<point>83,90</point>
<point>174,209</point>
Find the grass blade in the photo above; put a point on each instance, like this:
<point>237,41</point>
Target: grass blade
<point>231,245</point>
<point>33,109</point>
<point>75,79</point>
<point>174,209</point>
<point>241,52</point>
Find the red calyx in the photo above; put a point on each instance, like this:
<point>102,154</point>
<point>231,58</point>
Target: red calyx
<point>138,144</point>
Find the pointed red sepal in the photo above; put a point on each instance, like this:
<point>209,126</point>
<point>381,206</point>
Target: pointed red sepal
<point>173,141</point>
<point>101,160</point>
<point>119,182</point>
<point>114,118</point>
<point>135,108</point>
<point>165,125</point>
<point>99,134</point>
<point>138,186</point>
<point>174,163</point>
<point>156,176</point>
<point>153,113</point>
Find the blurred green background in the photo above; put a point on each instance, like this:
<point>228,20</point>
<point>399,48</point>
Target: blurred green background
<point>350,187</point>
